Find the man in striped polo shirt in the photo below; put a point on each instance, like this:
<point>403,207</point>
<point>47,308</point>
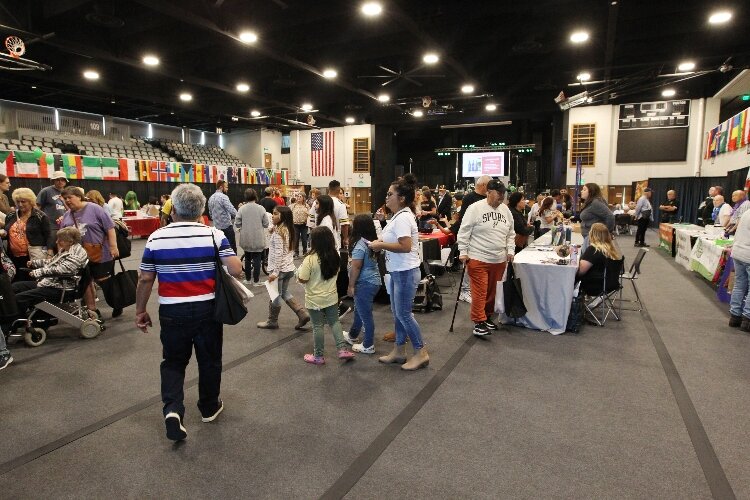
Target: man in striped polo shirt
<point>182,256</point>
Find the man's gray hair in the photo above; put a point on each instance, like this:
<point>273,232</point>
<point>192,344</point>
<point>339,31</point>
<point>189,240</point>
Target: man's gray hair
<point>188,201</point>
<point>269,190</point>
<point>483,180</point>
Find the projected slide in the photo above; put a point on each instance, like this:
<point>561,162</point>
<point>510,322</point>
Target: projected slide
<point>476,164</point>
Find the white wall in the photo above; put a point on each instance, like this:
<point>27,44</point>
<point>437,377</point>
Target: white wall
<point>300,161</point>
<point>607,172</point>
<point>245,145</point>
<point>270,142</point>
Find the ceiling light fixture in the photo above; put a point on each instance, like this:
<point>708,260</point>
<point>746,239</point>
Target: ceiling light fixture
<point>430,58</point>
<point>491,107</point>
<point>350,119</point>
<point>583,77</point>
<point>330,73</point>
<point>33,86</point>
<point>90,75</point>
<point>242,87</point>
<point>384,98</point>
<point>255,113</point>
<point>579,37</point>
<point>306,107</point>
<point>668,93</point>
<point>112,102</point>
<point>248,37</point>
<point>418,113</point>
<point>372,9</point>
<point>720,17</point>
<point>467,89</point>
<point>186,97</point>
<point>150,60</point>
<point>686,67</point>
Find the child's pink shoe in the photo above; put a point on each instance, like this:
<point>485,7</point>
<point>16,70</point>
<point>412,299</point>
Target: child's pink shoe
<point>315,360</point>
<point>346,354</point>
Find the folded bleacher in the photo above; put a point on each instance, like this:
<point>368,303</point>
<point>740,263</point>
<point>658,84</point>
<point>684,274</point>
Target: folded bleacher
<point>201,154</point>
<point>136,148</point>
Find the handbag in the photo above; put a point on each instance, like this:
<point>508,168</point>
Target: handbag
<point>514,306</point>
<point>229,308</point>
<point>575,317</point>
<point>119,290</point>
<point>124,246</point>
<point>93,250</point>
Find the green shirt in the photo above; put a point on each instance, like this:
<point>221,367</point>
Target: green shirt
<point>319,293</point>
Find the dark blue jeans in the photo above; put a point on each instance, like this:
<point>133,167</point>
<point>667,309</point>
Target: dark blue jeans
<point>229,233</point>
<point>184,326</point>
<point>253,263</point>
<point>364,294</point>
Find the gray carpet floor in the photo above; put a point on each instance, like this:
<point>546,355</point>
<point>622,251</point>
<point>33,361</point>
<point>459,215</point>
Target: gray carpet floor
<point>653,406</point>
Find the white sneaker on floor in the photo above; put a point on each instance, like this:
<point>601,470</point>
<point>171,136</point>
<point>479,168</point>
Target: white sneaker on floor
<point>247,282</point>
<point>348,339</point>
<point>364,350</point>
<point>258,283</point>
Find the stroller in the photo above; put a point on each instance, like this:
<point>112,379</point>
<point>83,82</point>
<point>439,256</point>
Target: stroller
<point>69,309</point>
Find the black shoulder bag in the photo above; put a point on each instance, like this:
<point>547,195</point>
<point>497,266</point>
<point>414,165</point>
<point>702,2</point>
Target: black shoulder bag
<point>229,309</point>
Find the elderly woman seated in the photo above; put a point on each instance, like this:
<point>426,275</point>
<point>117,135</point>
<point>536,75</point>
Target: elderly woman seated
<point>70,259</point>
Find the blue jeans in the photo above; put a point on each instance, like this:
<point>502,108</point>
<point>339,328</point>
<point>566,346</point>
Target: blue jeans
<point>184,326</point>
<point>253,263</point>
<point>229,233</point>
<point>284,293</point>
<point>403,289</point>
<point>320,318</point>
<point>740,291</point>
<point>3,346</point>
<point>364,295</point>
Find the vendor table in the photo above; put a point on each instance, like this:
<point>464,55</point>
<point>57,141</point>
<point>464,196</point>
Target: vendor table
<point>444,239</point>
<point>547,287</point>
<point>141,226</point>
<point>667,237</point>
<point>430,251</point>
<point>708,256</point>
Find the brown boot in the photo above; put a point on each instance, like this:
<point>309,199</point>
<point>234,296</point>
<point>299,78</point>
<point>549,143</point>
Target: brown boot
<point>419,360</point>
<point>397,355</point>
<point>390,337</point>
<point>273,318</point>
<point>301,313</point>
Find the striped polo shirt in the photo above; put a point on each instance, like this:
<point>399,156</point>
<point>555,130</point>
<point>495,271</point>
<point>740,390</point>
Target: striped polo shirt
<point>183,257</point>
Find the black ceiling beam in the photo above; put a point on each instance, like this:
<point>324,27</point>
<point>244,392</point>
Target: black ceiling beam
<point>609,52</point>
<point>54,8</point>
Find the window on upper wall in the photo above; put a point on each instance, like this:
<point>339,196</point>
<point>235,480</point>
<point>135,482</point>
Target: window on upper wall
<point>583,144</point>
<point>362,155</point>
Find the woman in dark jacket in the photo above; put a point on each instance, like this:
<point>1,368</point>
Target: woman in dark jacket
<point>594,210</point>
<point>28,232</point>
<point>516,203</point>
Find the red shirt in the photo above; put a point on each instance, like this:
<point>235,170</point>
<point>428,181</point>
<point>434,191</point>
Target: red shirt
<point>279,200</point>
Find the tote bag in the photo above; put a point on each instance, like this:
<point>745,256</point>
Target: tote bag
<point>229,307</point>
<point>119,290</point>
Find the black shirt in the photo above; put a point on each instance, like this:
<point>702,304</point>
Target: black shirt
<point>670,216</point>
<point>468,200</point>
<point>592,280</point>
<point>427,206</point>
<point>268,203</point>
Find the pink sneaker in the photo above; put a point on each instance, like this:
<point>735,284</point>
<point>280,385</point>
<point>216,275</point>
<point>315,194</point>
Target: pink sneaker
<point>315,360</point>
<point>346,355</point>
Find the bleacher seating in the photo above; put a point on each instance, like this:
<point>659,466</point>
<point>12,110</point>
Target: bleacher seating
<point>197,153</point>
<point>136,148</point>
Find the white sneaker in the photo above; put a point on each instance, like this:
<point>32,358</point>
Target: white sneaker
<point>247,282</point>
<point>258,283</point>
<point>364,350</point>
<point>348,339</point>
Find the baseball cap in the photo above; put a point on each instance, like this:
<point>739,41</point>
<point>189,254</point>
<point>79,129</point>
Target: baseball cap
<point>496,185</point>
<point>58,174</point>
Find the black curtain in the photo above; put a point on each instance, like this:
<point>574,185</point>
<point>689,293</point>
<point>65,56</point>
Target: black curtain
<point>691,191</point>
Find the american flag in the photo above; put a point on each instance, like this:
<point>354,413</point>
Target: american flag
<point>322,153</point>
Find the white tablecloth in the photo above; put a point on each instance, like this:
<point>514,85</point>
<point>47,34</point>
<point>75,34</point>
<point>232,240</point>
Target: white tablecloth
<point>547,288</point>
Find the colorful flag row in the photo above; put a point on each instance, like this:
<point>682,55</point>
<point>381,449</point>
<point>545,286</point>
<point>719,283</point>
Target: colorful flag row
<point>25,164</point>
<point>731,135</point>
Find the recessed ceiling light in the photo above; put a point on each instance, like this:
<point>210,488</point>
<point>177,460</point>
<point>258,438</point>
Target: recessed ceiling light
<point>418,113</point>
<point>91,75</point>
<point>686,66</point>
<point>112,101</point>
<point>242,87</point>
<point>467,89</point>
<point>668,93</point>
<point>150,60</point>
<point>33,86</point>
<point>491,107</point>
<point>171,112</point>
<point>306,107</point>
<point>372,9</point>
<point>186,97</point>
<point>720,17</point>
<point>384,98</point>
<point>248,37</point>
<point>350,119</point>
<point>330,73</point>
<point>583,77</point>
<point>430,58</point>
<point>255,113</point>
<point>579,37</point>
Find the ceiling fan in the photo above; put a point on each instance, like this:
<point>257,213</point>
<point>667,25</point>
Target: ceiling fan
<point>393,76</point>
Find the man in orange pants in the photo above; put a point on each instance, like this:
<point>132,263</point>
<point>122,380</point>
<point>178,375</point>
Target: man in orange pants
<point>486,243</point>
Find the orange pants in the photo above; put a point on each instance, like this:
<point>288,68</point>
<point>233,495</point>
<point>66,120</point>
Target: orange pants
<point>484,278</point>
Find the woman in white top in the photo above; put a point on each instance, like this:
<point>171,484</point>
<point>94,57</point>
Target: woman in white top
<point>326,217</point>
<point>399,241</point>
<point>547,213</point>
<point>281,268</point>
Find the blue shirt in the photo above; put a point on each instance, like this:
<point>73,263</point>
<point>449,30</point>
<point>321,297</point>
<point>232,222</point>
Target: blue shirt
<point>221,210</point>
<point>369,272</point>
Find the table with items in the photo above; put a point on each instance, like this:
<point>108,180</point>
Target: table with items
<point>547,285</point>
<point>428,250</point>
<point>141,226</point>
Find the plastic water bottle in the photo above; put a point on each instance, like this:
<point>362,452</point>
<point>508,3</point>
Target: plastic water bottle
<point>574,255</point>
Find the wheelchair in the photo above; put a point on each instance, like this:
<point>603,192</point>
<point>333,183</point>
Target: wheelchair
<point>70,309</point>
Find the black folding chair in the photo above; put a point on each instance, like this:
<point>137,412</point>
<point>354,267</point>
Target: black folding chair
<point>599,303</point>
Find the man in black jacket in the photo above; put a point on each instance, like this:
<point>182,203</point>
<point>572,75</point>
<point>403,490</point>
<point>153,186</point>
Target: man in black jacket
<point>479,193</point>
<point>445,203</point>
<point>705,209</point>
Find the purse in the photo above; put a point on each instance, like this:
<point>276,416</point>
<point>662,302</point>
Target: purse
<point>119,290</point>
<point>513,295</point>
<point>229,307</point>
<point>93,250</point>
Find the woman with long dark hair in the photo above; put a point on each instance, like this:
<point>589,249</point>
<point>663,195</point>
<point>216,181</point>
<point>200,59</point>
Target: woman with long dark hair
<point>281,267</point>
<point>327,217</point>
<point>364,283</point>
<point>318,273</point>
<point>400,242</point>
<point>594,210</point>
<point>547,213</point>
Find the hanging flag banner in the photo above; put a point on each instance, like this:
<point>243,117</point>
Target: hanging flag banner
<point>731,135</point>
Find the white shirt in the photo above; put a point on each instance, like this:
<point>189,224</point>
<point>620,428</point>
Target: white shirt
<point>402,224</point>
<point>725,212</point>
<point>339,210</point>
<point>741,245</point>
<point>534,213</point>
<point>116,206</point>
<point>327,222</point>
